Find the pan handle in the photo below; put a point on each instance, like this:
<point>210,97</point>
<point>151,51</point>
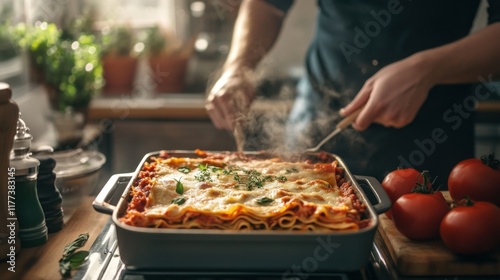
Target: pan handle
<point>381,202</point>
<point>107,199</point>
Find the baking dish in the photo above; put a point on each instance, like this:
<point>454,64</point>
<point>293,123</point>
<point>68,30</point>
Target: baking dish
<point>229,250</point>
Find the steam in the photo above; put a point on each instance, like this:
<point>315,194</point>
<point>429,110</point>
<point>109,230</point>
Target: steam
<point>266,127</point>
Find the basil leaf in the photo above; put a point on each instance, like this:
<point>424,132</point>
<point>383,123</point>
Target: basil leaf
<point>184,169</point>
<point>179,187</point>
<point>264,200</point>
<point>216,169</point>
<point>203,167</point>
<point>179,200</point>
<point>78,258</point>
<point>76,244</point>
<point>281,178</point>
<point>70,259</point>
<point>292,170</point>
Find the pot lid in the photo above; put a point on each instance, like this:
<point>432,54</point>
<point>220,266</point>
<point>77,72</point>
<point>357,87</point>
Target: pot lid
<point>77,162</point>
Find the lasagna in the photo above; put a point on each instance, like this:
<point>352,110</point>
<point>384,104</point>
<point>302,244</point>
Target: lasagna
<point>230,192</point>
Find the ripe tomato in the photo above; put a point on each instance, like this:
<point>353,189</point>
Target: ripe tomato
<point>477,179</point>
<point>417,215</point>
<point>472,228</point>
<point>399,182</point>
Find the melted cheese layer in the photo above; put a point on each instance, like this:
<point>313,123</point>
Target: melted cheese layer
<point>245,194</point>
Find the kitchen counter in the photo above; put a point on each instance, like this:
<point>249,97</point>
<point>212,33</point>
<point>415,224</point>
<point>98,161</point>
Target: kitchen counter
<point>42,262</point>
<point>182,106</point>
<point>164,106</point>
<point>191,106</point>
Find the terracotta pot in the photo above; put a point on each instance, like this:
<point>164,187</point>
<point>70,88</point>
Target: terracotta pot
<point>119,74</point>
<point>168,72</point>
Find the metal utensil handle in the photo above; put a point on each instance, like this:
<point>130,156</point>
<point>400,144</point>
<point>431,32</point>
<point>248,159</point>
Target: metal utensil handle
<point>384,202</point>
<point>348,120</point>
<point>101,202</point>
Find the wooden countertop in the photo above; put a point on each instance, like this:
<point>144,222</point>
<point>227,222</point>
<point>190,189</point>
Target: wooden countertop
<point>191,106</point>
<point>178,106</point>
<point>164,106</point>
<point>42,262</point>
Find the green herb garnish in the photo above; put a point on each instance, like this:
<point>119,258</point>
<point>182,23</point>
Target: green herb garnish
<point>215,169</point>
<point>71,259</point>
<point>179,200</point>
<point>249,178</point>
<point>264,200</point>
<point>184,169</point>
<point>281,178</point>
<point>179,187</point>
<point>204,174</point>
<point>203,167</point>
<point>292,170</point>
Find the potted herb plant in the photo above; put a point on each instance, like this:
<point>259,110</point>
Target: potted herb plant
<point>36,40</point>
<point>70,69</point>
<point>167,59</point>
<point>119,60</point>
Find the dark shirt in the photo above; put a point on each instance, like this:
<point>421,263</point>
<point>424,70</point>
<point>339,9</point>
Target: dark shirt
<point>351,36</point>
<point>355,39</point>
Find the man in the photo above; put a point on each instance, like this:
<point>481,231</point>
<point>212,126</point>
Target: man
<point>411,64</point>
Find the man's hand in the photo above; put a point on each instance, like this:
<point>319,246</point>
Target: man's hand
<point>393,95</point>
<point>255,31</point>
<point>230,98</point>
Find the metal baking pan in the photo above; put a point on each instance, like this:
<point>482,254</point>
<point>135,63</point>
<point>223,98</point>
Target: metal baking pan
<point>291,253</point>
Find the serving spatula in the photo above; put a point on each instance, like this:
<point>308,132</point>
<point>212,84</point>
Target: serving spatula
<point>340,126</point>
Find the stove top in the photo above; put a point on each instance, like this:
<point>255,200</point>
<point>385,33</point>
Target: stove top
<point>104,263</point>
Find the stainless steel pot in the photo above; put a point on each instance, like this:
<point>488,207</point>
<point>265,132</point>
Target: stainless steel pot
<point>291,253</point>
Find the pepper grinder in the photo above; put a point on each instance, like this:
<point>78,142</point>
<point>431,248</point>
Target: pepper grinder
<point>32,228</point>
<point>9,243</point>
<point>49,196</point>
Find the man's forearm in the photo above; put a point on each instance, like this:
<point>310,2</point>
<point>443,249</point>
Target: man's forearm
<point>256,29</point>
<point>465,60</point>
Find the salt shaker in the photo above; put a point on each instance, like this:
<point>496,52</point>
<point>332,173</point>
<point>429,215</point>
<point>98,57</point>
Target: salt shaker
<point>32,228</point>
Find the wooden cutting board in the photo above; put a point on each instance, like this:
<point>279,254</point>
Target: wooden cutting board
<point>414,258</point>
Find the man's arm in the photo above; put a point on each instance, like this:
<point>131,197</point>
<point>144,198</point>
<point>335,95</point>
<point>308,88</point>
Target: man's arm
<point>465,60</point>
<point>256,29</point>
<point>396,92</point>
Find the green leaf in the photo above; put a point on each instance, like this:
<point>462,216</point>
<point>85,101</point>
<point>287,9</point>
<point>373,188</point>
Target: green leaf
<point>70,259</point>
<point>292,170</point>
<point>74,245</point>
<point>184,169</point>
<point>203,167</point>
<point>281,178</point>
<point>78,258</point>
<point>179,200</point>
<point>216,169</point>
<point>179,187</point>
<point>264,200</point>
